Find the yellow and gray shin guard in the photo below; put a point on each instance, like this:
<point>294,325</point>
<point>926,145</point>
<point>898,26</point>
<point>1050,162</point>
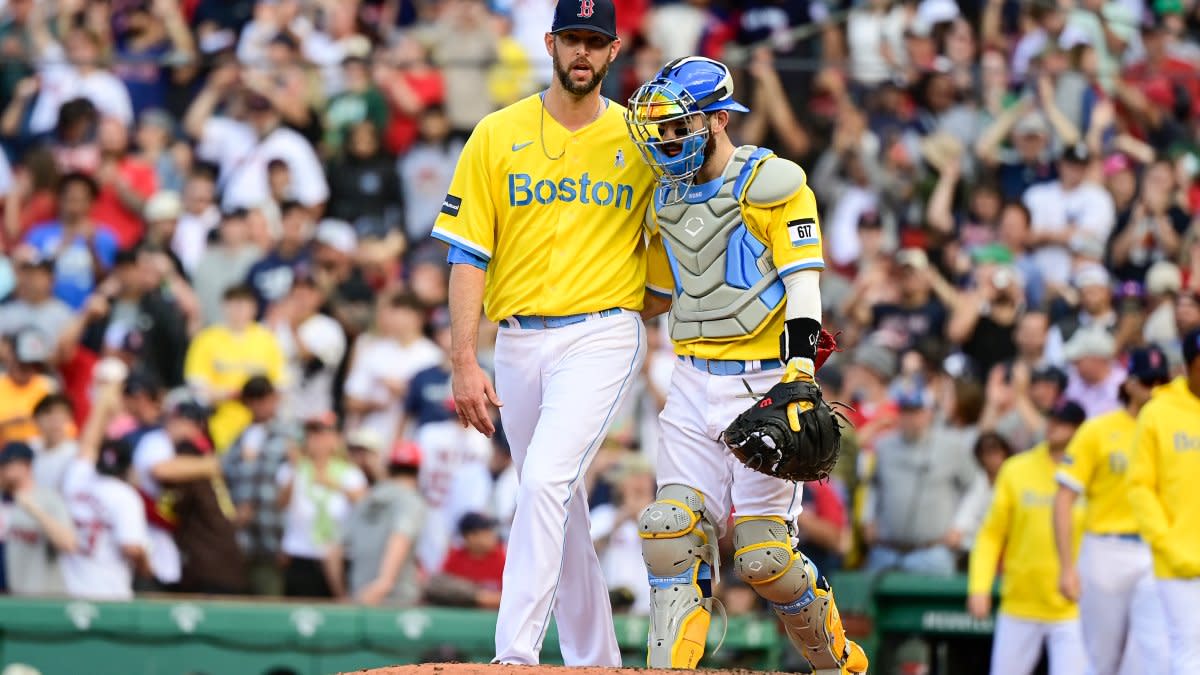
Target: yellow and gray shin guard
<point>679,546</point>
<point>803,601</point>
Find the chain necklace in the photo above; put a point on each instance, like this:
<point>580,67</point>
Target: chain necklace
<point>542,128</point>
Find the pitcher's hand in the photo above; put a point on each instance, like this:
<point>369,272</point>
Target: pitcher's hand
<point>472,392</point>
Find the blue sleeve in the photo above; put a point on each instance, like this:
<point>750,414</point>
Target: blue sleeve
<point>106,248</point>
<point>461,256</point>
<point>36,238</point>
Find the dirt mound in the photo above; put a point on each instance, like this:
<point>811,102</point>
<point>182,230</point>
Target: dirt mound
<point>491,669</point>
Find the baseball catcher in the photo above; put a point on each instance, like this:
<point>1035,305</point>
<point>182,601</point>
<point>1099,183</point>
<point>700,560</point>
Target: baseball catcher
<point>735,252</point>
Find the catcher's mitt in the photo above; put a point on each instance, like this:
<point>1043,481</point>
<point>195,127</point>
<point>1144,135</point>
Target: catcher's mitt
<point>790,433</point>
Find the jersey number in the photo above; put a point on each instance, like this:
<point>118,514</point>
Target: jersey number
<point>586,8</point>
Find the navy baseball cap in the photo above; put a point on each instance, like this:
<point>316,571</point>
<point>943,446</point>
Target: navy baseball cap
<point>142,382</point>
<point>599,16</point>
<point>1068,412</point>
<point>1191,346</point>
<point>474,522</point>
<point>912,397</point>
<point>114,458</point>
<point>1149,364</point>
<point>1050,374</point>
<point>15,451</point>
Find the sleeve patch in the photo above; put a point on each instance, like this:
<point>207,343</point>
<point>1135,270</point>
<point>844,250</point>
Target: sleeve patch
<point>451,205</point>
<point>802,232</point>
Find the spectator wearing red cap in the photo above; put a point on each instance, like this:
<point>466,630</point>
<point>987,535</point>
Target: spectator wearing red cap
<point>380,537</point>
<point>317,493</point>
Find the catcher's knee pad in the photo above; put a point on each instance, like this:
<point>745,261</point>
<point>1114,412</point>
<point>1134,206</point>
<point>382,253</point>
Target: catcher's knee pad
<point>679,546</point>
<point>765,559</point>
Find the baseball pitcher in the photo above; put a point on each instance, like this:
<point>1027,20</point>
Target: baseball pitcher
<point>736,250</point>
<point>544,221</point>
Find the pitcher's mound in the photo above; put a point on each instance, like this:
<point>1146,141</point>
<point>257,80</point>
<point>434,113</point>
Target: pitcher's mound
<point>494,669</point>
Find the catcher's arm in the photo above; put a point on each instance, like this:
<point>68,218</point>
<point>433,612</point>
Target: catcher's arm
<point>799,345</point>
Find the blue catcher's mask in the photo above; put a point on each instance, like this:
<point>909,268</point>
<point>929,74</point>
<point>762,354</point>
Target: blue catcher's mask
<point>666,118</point>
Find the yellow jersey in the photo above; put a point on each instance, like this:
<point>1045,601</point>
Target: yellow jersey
<point>17,402</point>
<point>792,231</point>
<point>1020,524</point>
<point>1164,476</point>
<point>1097,466</point>
<point>560,236</point>
<point>221,360</point>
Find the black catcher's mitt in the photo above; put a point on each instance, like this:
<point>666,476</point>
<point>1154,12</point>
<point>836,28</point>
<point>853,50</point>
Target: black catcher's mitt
<point>790,433</point>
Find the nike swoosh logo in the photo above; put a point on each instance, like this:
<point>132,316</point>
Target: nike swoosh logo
<point>518,146</point>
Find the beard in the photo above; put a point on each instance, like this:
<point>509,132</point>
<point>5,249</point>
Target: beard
<point>564,78</point>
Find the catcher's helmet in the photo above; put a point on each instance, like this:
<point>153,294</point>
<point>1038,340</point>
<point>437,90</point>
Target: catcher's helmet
<point>693,85</point>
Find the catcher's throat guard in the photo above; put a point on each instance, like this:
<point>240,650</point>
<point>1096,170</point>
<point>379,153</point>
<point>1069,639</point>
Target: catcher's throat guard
<point>790,433</point>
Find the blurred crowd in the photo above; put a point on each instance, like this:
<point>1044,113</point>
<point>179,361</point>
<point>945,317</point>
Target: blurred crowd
<point>224,324</point>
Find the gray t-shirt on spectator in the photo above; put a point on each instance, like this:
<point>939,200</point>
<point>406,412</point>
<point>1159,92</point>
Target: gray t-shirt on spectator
<point>919,485</point>
<point>219,269</point>
<point>50,464</point>
<point>30,560</point>
<point>50,317</point>
<point>388,509</point>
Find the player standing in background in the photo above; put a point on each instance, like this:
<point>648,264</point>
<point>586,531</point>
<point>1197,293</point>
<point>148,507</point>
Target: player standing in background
<point>735,235</point>
<point>1114,580</point>
<point>1164,474</point>
<point>1032,612</point>
<point>544,222</point>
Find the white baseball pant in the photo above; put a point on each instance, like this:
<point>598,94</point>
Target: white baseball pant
<point>1181,598</point>
<point>561,388</point>
<point>699,407</point>
<point>1017,645</point>
<point>1119,610</point>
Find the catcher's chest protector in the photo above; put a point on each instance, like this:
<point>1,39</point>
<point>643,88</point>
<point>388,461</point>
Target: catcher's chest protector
<point>726,284</point>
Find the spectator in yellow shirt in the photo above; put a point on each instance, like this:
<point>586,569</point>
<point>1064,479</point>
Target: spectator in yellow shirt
<point>1163,477</point>
<point>1033,612</point>
<point>23,385</point>
<point>224,356</point>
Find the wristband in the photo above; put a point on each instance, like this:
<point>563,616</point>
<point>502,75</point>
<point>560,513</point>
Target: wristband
<point>799,339</point>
